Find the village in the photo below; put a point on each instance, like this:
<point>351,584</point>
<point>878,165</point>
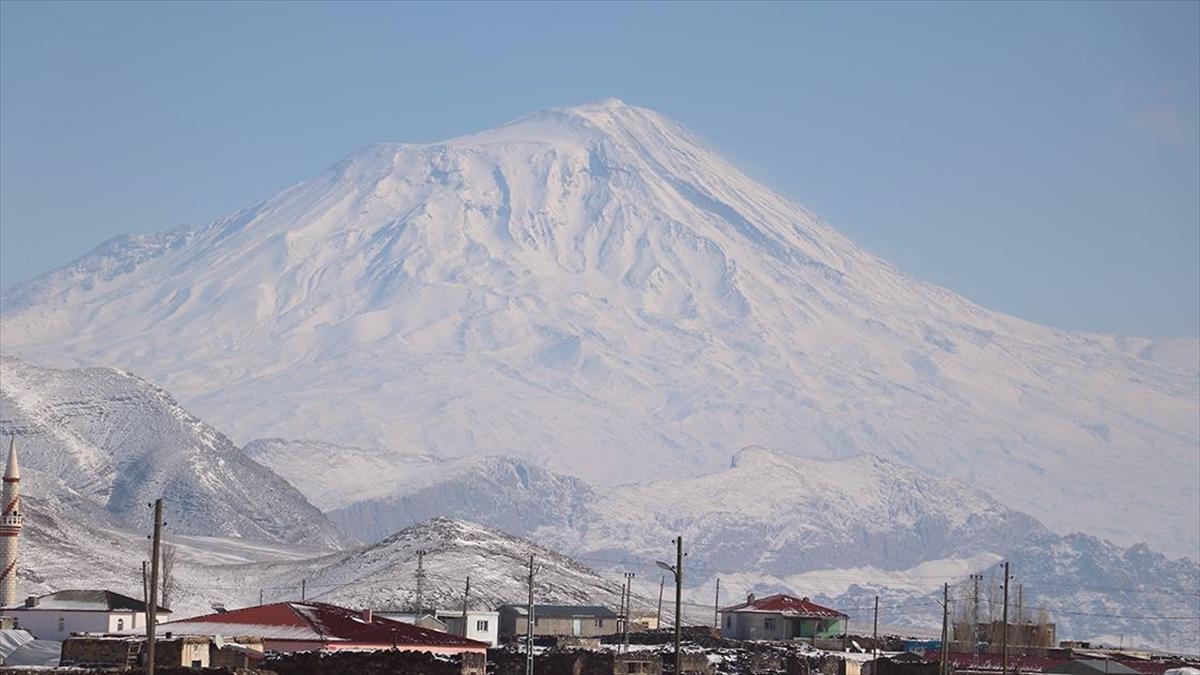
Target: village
<point>105,630</point>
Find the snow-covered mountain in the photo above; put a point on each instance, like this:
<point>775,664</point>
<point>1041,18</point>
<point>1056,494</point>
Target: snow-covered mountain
<point>767,512</point>
<point>107,437</point>
<point>384,574</point>
<point>593,289</point>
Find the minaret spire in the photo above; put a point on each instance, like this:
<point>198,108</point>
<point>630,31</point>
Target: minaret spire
<point>11,521</point>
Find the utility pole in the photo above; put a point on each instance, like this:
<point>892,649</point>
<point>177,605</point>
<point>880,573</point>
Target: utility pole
<point>621,616</point>
<point>1004,638</point>
<point>717,606</point>
<point>677,570</point>
<point>1020,615</point>
<point>466,594</point>
<point>260,597</point>
<point>678,603</point>
<point>628,605</point>
<point>975,620</point>
<point>529,624</point>
<point>145,588</point>
<point>945,626</point>
<point>303,590</point>
<point>152,608</point>
<point>875,637</point>
<point>662,580</point>
<point>420,582</point>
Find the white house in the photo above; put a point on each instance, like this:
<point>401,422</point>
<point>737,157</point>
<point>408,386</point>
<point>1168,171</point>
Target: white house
<point>58,615</point>
<point>483,626</point>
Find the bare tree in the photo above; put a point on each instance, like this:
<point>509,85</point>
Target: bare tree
<point>1045,630</point>
<point>166,571</point>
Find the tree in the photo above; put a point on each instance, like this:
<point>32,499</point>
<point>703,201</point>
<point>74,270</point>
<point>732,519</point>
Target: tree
<point>1045,633</point>
<point>166,571</point>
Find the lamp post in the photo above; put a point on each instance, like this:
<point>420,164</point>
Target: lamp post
<point>677,570</point>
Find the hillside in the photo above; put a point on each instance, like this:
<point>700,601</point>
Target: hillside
<point>115,441</point>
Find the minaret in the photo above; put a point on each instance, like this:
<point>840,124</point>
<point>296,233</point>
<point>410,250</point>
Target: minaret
<point>10,528</point>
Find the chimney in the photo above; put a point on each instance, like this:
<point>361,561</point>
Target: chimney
<point>367,616</point>
<point>750,597</point>
<point>31,601</point>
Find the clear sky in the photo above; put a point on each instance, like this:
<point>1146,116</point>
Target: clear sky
<point>1041,159</point>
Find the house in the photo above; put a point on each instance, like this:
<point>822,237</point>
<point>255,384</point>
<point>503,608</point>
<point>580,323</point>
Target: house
<point>780,617</point>
<point>306,626</point>
<point>643,622</point>
<point>574,620</point>
<point>1090,667</point>
<point>57,615</point>
<point>187,651</point>
<point>481,625</point>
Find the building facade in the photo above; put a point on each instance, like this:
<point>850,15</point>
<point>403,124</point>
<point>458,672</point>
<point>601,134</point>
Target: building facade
<point>57,615</point>
<point>560,620</point>
<point>480,625</point>
<point>781,617</point>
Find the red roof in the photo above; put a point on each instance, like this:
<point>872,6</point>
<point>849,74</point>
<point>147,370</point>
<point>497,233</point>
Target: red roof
<point>321,621</point>
<point>787,604</point>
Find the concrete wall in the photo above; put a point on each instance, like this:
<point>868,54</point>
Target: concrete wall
<point>513,625</point>
<point>43,623</point>
<point>489,632</point>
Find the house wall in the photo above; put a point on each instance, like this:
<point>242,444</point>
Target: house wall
<point>125,621</point>
<point>43,623</point>
<point>489,634</point>
<point>548,625</point>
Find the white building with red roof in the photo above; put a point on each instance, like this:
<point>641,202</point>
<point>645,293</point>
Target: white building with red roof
<point>308,626</point>
<point>781,617</point>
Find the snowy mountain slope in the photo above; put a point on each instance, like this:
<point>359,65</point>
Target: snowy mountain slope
<point>1091,589</point>
<point>593,289</point>
<point>332,475</point>
<point>838,530</point>
<point>120,442</point>
<point>767,513</point>
<point>502,492</point>
<point>1081,580</point>
<point>384,574</point>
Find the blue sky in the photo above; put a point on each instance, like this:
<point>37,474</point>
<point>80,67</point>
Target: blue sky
<point>1041,159</point>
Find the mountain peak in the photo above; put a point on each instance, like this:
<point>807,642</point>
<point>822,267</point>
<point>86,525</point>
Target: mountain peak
<point>587,280</point>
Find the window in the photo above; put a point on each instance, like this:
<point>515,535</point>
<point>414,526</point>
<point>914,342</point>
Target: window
<point>62,624</point>
<point>768,624</point>
<point>481,625</point>
<point>120,625</point>
<point>728,621</point>
<point>599,623</point>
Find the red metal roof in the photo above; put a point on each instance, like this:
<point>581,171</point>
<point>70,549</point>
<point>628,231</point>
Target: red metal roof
<point>332,623</point>
<point>781,603</point>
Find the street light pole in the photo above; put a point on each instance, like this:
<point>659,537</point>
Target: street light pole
<point>677,570</point>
